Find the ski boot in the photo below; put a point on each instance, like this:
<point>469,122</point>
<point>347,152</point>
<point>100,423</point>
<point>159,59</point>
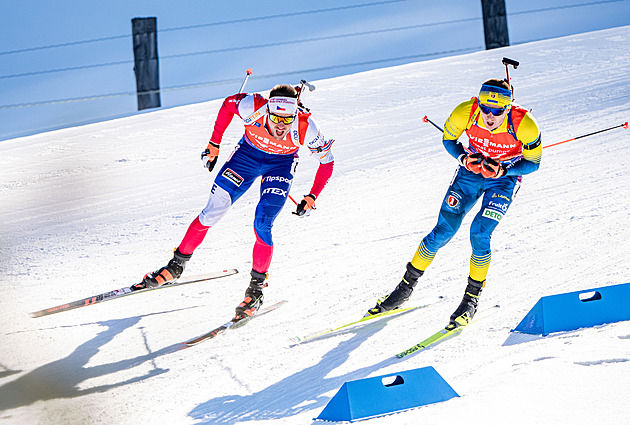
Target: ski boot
<point>400,294</point>
<point>168,274</point>
<point>468,307</point>
<point>253,296</point>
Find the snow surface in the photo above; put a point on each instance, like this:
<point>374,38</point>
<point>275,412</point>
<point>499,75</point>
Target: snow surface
<point>89,209</point>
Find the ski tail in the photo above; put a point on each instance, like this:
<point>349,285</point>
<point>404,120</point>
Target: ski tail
<point>314,335</point>
<point>232,324</point>
<point>122,292</point>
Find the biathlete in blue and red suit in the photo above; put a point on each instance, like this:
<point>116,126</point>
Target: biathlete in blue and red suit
<point>275,129</point>
<point>504,143</point>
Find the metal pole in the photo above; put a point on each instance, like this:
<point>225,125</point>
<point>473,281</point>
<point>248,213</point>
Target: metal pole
<point>146,65</point>
<point>495,24</point>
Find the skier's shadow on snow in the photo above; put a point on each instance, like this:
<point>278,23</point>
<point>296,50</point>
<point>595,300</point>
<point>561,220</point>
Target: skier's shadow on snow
<point>300,392</point>
<point>62,378</point>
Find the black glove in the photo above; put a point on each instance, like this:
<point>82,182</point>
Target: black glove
<point>210,156</point>
<point>306,205</point>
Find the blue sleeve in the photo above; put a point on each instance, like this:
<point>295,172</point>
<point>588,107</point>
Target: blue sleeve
<point>521,167</point>
<point>529,162</point>
<point>454,148</point>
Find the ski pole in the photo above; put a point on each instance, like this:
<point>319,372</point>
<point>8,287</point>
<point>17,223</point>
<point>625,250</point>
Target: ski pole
<point>248,73</point>
<point>426,119</point>
<point>624,125</point>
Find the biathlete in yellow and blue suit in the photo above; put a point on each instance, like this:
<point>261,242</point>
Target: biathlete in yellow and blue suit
<point>504,143</point>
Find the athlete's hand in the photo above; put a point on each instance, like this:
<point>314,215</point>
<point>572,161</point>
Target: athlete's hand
<point>491,168</point>
<point>306,205</point>
<point>210,155</point>
<point>473,162</point>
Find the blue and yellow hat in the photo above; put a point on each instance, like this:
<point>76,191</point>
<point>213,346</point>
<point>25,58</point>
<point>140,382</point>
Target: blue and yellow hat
<point>495,97</point>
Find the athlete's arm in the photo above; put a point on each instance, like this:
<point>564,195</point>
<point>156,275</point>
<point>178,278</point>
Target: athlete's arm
<point>454,127</point>
<point>228,109</point>
<point>529,135</point>
<point>322,149</point>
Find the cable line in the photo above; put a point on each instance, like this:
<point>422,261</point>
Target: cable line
<point>548,9</point>
<point>231,81</point>
<point>259,46</point>
<point>229,49</point>
<point>234,21</point>
<point>277,16</point>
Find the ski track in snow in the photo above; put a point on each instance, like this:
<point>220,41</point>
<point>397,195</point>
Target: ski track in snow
<point>90,209</point>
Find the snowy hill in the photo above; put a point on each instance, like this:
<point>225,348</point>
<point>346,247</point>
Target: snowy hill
<point>93,208</point>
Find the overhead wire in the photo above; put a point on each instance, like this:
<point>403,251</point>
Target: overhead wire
<point>196,26</point>
<point>230,81</point>
<point>276,16</point>
<point>283,15</point>
<point>237,48</point>
<point>260,46</point>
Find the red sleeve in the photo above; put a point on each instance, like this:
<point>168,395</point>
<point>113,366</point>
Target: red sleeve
<point>321,177</point>
<point>225,115</point>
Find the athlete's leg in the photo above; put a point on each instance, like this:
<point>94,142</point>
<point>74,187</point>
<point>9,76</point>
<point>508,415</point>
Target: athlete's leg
<point>460,197</point>
<point>274,190</point>
<point>235,177</point>
<point>497,199</point>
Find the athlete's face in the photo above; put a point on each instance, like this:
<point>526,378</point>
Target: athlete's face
<point>490,120</point>
<point>279,129</point>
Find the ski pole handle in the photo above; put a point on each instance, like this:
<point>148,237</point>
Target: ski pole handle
<point>296,202</point>
<point>247,74</point>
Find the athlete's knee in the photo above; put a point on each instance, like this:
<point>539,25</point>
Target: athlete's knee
<point>262,227</point>
<point>480,242</point>
<point>218,204</point>
<point>446,227</point>
<point>480,233</point>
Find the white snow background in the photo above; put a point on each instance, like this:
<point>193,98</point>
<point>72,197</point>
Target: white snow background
<point>90,209</point>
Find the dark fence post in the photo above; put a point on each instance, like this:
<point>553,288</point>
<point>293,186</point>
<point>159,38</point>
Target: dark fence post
<point>146,68</point>
<point>495,23</point>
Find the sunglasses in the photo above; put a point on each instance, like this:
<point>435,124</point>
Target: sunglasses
<point>278,119</point>
<point>494,111</point>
